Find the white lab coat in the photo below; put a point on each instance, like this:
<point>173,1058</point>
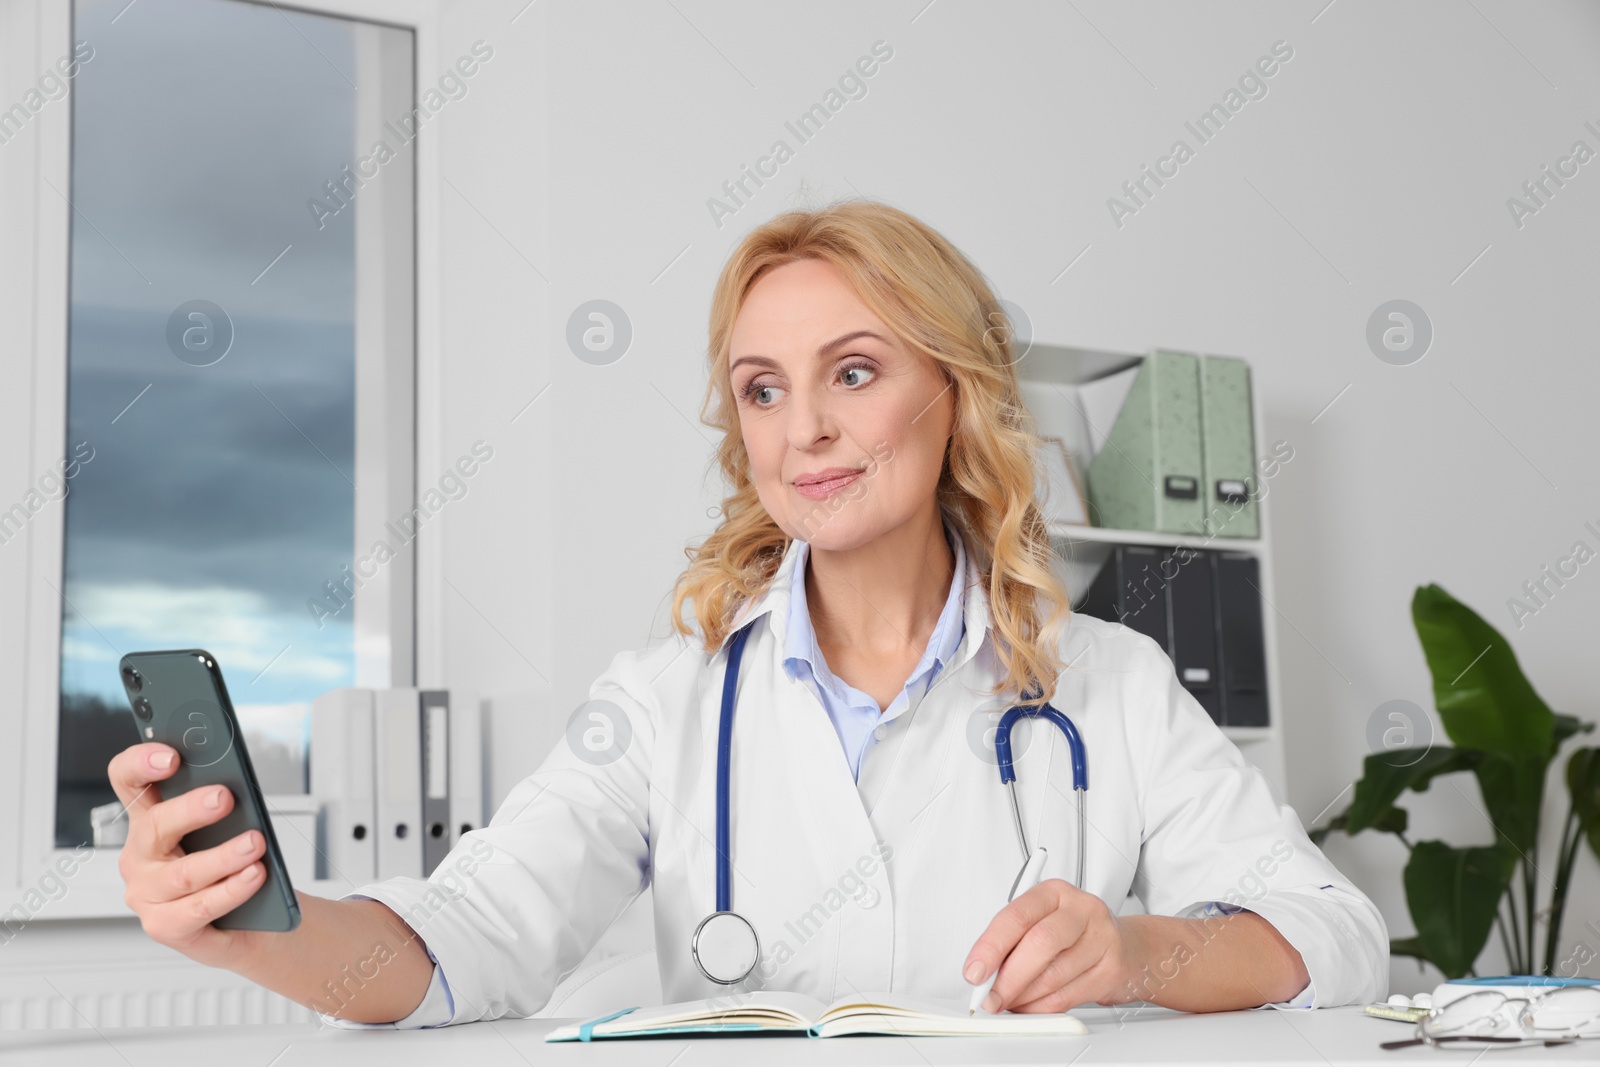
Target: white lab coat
<point>1176,815</point>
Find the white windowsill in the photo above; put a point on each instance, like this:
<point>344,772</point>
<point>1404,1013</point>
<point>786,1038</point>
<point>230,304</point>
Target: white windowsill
<point>102,899</point>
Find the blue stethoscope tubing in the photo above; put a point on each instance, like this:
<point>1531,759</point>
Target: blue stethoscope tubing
<point>727,937</point>
<point>1080,769</point>
<point>730,680</point>
<point>746,946</point>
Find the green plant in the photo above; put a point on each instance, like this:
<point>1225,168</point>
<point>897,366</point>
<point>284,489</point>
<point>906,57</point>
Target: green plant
<point>1507,736</point>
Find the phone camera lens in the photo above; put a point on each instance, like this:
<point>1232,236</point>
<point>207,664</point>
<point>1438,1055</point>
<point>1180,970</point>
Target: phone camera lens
<point>142,708</point>
<point>132,679</point>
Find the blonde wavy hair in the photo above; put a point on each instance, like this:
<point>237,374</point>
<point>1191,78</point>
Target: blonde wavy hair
<point>937,303</point>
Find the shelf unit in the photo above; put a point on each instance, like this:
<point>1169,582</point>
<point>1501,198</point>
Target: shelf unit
<point>1084,549</point>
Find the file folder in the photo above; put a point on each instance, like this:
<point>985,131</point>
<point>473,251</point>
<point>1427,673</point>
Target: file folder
<point>1192,603</point>
<point>398,756</point>
<point>1241,640</point>
<point>1131,590</point>
<point>1148,475</point>
<point>466,766</point>
<point>435,710</point>
<point>1229,447</point>
<point>1205,614</point>
<point>1097,403</point>
<point>342,782</point>
<point>294,824</point>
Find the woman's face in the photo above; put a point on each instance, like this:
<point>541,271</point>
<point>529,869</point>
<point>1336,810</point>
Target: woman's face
<point>822,385</point>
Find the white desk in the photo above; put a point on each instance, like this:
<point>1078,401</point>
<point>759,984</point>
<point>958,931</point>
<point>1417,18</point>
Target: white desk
<point>1324,1038</point>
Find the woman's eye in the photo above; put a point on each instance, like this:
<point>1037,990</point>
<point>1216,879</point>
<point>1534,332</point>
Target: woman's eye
<point>856,368</point>
<point>754,390</point>
<point>852,376</point>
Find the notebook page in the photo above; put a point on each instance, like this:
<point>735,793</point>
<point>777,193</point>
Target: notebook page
<point>774,1009</point>
<point>898,1013</point>
<point>898,1003</point>
<point>979,1025</point>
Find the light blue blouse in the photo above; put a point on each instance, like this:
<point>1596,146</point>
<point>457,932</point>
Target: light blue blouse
<point>856,716</point>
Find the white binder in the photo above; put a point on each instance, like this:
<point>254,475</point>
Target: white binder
<point>397,749</point>
<point>342,782</point>
<point>466,766</point>
<point>436,784</point>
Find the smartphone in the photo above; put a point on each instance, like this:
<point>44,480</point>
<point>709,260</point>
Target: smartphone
<point>179,699</point>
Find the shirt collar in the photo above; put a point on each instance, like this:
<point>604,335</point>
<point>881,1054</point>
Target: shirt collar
<point>774,601</point>
<point>800,639</point>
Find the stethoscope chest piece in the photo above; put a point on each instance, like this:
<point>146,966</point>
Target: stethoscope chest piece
<point>725,947</point>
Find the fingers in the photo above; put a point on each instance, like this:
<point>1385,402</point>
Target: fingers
<point>1075,993</point>
<point>175,895</point>
<point>165,824</point>
<point>134,772</point>
<point>177,921</point>
<point>197,870</point>
<point>1063,978</point>
<point>1091,971</point>
<point>1057,935</point>
<point>1039,948</point>
<point>1008,929</point>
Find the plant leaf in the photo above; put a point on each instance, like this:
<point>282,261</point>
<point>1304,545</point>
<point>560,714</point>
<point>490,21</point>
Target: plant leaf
<point>1320,834</point>
<point>1385,775</point>
<point>1453,894</point>
<point>1392,821</point>
<point>1567,725</point>
<point>1512,785</point>
<point>1583,782</point>
<point>1408,946</point>
<point>1484,699</point>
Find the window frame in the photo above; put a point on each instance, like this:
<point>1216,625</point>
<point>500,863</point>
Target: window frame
<point>398,431</point>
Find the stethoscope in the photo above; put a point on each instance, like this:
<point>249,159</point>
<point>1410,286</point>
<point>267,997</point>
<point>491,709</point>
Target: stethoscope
<point>725,945</point>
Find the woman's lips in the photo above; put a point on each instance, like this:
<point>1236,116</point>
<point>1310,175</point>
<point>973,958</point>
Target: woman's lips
<point>823,490</point>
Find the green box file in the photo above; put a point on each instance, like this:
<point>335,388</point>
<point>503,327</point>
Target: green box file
<point>1148,474</point>
<point>1229,432</point>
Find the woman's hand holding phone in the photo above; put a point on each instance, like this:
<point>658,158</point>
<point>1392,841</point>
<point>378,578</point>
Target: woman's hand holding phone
<point>176,894</point>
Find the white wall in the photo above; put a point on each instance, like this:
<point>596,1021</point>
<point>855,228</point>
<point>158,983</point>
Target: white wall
<point>1377,166</point>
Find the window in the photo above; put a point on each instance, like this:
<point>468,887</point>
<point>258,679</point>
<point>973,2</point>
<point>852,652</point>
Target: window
<point>240,368</point>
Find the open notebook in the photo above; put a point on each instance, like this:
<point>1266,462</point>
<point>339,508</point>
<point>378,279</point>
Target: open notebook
<point>795,1013</point>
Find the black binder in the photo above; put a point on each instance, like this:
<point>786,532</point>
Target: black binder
<point>1193,604</point>
<point>1131,590</point>
<point>1244,658</point>
<point>1203,608</point>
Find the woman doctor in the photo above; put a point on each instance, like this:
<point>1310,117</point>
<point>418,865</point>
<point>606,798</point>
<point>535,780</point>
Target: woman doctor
<point>883,550</point>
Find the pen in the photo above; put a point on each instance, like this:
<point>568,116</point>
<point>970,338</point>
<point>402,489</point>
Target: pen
<point>1027,878</point>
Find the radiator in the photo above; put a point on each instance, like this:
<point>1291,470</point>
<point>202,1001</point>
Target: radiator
<point>137,994</point>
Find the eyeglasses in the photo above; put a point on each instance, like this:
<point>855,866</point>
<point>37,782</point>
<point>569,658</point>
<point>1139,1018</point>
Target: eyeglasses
<point>1566,1013</point>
